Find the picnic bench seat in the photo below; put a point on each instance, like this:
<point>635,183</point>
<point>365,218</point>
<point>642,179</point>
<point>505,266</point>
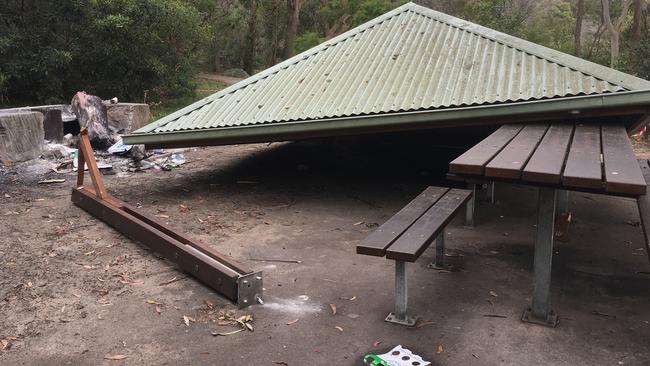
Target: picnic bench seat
<point>406,235</point>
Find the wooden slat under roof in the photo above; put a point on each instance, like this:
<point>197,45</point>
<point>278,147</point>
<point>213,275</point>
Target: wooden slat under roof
<point>410,68</point>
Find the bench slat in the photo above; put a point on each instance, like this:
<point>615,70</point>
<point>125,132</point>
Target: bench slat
<point>413,242</point>
<point>473,161</point>
<point>622,172</point>
<point>545,166</point>
<point>511,160</point>
<point>377,242</point>
<point>644,207</point>
<point>583,168</point>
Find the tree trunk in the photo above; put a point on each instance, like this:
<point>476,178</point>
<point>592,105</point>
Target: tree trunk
<point>251,37</point>
<point>637,22</point>
<point>293,14</point>
<point>614,28</point>
<point>580,13</point>
<point>276,26</point>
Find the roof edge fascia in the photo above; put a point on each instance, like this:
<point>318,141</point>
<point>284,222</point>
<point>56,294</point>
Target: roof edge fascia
<point>572,106</point>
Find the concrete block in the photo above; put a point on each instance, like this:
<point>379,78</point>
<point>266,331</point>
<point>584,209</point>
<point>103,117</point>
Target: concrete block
<point>21,135</point>
<point>125,118</point>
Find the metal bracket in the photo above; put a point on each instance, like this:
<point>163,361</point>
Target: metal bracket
<point>409,321</point>
<point>249,289</point>
<point>552,320</point>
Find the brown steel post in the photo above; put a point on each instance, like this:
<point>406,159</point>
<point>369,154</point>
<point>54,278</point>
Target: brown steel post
<point>85,149</point>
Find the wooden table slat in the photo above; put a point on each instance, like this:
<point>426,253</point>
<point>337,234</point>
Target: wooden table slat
<point>410,246</point>
<point>377,242</point>
<point>547,162</point>
<point>473,161</point>
<point>583,167</point>
<point>622,171</point>
<point>509,163</point>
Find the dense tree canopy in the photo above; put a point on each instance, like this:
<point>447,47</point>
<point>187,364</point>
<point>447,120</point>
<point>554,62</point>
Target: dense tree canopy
<point>133,48</point>
<point>119,48</point>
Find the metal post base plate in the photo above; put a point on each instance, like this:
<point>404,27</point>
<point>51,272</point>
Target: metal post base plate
<point>433,265</point>
<point>409,321</point>
<point>552,320</point>
<point>249,289</point>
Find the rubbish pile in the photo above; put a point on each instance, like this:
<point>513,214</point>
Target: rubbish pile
<point>105,121</point>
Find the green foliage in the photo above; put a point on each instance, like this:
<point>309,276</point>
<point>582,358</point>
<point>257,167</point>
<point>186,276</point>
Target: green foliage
<point>503,15</point>
<point>106,47</point>
<point>308,40</point>
<point>369,9</point>
<point>554,28</point>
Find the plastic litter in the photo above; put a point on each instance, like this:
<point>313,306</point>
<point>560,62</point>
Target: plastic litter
<point>398,356</point>
<point>119,147</point>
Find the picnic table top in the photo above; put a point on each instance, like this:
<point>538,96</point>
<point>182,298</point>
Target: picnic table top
<point>588,157</point>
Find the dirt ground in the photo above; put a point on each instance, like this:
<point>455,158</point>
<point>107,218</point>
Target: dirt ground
<point>74,291</point>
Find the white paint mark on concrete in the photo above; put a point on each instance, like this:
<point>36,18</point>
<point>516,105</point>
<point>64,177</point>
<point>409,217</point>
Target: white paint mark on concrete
<point>290,306</point>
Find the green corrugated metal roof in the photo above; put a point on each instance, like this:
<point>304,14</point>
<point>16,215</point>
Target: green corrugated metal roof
<point>409,60</point>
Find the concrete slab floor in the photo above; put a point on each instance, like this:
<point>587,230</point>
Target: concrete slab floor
<point>61,295</point>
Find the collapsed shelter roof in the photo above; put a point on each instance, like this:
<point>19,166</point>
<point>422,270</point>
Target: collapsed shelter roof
<point>411,68</point>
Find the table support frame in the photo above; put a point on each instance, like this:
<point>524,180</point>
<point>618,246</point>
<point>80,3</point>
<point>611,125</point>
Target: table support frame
<point>540,312</point>
<point>469,207</point>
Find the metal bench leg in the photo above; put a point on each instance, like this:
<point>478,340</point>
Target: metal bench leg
<point>469,207</point>
<point>562,202</point>
<point>440,252</point>
<point>491,192</point>
<point>540,312</point>
<point>400,316</point>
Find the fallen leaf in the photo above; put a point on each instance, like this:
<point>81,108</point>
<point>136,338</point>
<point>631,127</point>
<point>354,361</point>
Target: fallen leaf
<point>184,209</point>
<point>440,350</point>
<point>292,321</point>
<point>163,216</point>
<point>158,309</point>
<point>227,333</point>
<point>348,298</point>
<point>493,294</point>
<point>89,253</point>
<point>333,307</point>
<point>358,223</point>
<point>7,196</point>
<point>281,363</point>
<point>376,343</point>
<point>187,320</point>
<point>340,329</point>
<point>152,302</point>
<point>424,324</point>
<point>116,357</point>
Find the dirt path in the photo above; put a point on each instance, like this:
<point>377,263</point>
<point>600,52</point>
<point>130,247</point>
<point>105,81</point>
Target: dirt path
<point>228,80</point>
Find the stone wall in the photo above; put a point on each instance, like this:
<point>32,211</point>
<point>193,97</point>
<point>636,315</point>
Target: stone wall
<point>125,118</point>
<point>21,135</point>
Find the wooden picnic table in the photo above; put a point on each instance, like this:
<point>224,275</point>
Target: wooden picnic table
<point>557,157</point>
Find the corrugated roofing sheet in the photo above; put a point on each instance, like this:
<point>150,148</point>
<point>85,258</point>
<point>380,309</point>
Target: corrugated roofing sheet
<point>410,59</point>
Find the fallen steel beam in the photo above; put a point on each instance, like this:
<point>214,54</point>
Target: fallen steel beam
<point>216,270</point>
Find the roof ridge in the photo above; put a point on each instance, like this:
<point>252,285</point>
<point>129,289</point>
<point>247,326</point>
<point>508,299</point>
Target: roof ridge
<point>277,67</point>
<point>620,78</point>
